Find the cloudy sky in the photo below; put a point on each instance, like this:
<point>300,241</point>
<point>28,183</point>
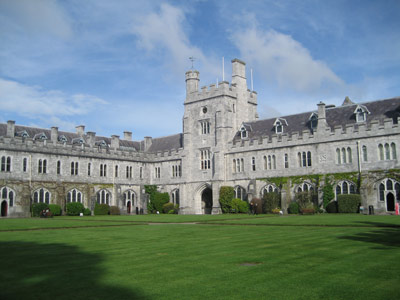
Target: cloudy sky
<point>120,65</point>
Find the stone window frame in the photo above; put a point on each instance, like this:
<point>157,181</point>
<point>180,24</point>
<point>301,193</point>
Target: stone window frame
<point>129,195</point>
<point>205,127</point>
<point>74,168</point>
<point>304,159</point>
<point>103,196</point>
<point>7,194</point>
<point>6,163</point>
<point>74,195</point>
<point>205,159</point>
<point>42,166</point>
<point>345,187</point>
<point>175,197</point>
<point>240,192</point>
<point>387,151</point>
<point>41,195</point>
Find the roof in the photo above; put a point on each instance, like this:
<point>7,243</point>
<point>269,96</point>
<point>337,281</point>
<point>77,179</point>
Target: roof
<point>166,143</point>
<point>335,116</point>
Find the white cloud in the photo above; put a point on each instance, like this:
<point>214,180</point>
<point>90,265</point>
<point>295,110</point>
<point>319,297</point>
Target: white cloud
<point>34,101</point>
<point>281,59</point>
<point>162,33</point>
<point>39,16</point>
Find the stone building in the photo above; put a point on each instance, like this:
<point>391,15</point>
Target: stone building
<point>223,143</point>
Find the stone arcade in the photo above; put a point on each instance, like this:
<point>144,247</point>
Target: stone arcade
<point>223,144</point>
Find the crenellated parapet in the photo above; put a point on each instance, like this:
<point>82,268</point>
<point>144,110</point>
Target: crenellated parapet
<point>307,137</point>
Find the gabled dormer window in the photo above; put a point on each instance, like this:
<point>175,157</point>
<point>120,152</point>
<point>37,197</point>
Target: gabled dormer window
<point>62,138</point>
<point>40,136</point>
<point>78,141</point>
<point>313,121</point>
<point>278,124</point>
<point>101,143</point>
<point>22,133</point>
<point>244,131</point>
<point>361,113</point>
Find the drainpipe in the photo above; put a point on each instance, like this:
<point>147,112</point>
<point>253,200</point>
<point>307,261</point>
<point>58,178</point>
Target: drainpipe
<point>359,157</point>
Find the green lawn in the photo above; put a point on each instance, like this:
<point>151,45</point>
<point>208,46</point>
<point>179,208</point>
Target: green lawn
<point>122,257</point>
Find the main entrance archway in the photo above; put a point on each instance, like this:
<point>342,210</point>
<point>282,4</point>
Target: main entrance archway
<point>206,201</point>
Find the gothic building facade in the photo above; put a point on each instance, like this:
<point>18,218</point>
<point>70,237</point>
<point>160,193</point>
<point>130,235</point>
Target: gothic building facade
<point>223,143</point>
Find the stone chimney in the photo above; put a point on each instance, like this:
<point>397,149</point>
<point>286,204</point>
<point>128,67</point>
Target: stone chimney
<point>148,140</point>
<point>128,135</point>
<point>115,142</point>
<point>10,129</point>
<point>54,135</point>
<point>80,130</point>
<point>322,125</point>
<point>91,138</point>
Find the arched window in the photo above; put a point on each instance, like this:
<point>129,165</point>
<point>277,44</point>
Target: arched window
<point>305,187</point>
<point>286,161</point>
<point>129,195</point>
<point>7,194</point>
<point>380,150</point>
<point>344,156</point>
<point>74,195</point>
<point>389,192</point>
<point>338,158</point>
<point>349,156</point>
<point>387,152</point>
<point>394,154</point>
<point>6,164</point>
<point>273,162</point>
<point>345,187</point>
<point>175,197</point>
<point>364,153</point>
<point>41,196</point>
<point>388,185</point>
<point>103,197</point>
<point>265,163</point>
<point>240,193</point>
<point>270,188</point>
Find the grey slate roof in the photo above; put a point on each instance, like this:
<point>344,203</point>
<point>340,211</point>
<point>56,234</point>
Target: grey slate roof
<point>167,143</point>
<point>335,116</point>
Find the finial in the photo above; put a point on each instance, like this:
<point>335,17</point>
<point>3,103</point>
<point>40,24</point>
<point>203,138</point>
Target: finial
<point>192,59</point>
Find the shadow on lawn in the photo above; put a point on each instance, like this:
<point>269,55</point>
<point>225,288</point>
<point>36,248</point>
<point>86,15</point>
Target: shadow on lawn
<point>54,271</point>
<point>387,235</point>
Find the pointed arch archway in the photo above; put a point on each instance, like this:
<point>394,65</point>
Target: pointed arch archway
<point>390,202</point>
<point>204,199</point>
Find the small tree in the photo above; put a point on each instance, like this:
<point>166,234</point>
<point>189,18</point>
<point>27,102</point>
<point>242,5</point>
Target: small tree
<point>239,206</point>
<point>226,195</point>
<point>271,201</point>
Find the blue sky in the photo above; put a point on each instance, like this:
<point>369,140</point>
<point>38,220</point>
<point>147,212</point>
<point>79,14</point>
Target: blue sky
<point>120,65</point>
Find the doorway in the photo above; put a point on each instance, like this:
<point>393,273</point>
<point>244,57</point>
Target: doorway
<point>128,207</point>
<point>390,203</point>
<point>4,208</point>
<point>206,201</point>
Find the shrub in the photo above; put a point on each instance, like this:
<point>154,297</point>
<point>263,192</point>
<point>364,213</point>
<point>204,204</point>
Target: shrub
<point>332,207</point>
<point>101,209</point>
<point>271,201</point>
<point>37,208</point>
<point>87,212</point>
<point>172,211</point>
<point>226,194</point>
<point>114,210</point>
<point>74,208</point>
<point>167,207</point>
<point>55,209</point>
<point>348,203</point>
<point>293,208</point>
<point>239,206</point>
